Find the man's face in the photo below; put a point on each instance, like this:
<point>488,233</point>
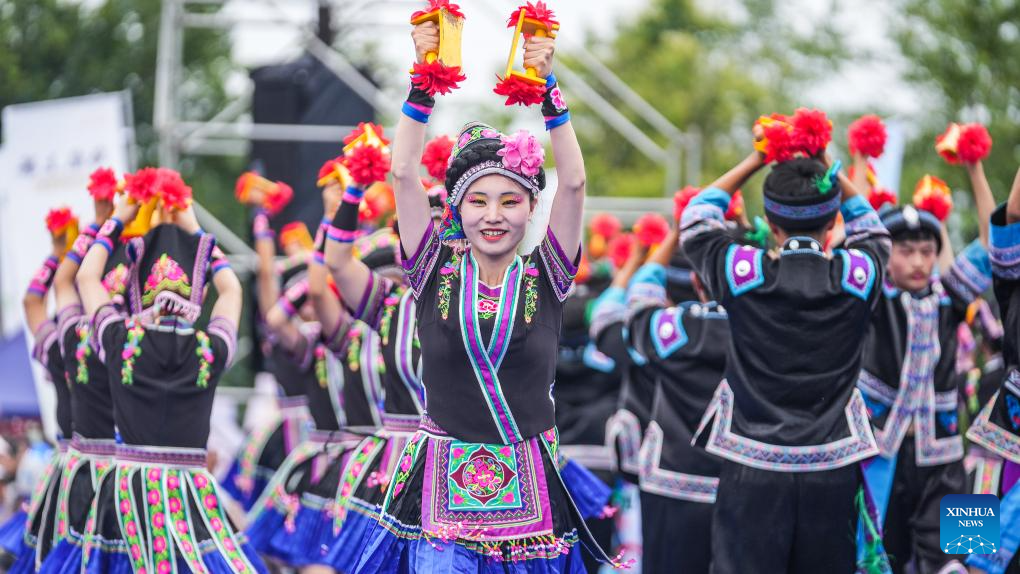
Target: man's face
<point>911,263</point>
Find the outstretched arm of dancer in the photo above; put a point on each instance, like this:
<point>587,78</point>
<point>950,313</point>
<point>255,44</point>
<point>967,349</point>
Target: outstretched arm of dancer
<point>64,289</point>
<point>328,307</point>
<point>1013,204</point>
<point>90,275</point>
<point>34,302</point>
<point>349,273</point>
<point>267,286</point>
<point>279,319</point>
<point>984,201</point>
<point>566,226</point>
<point>412,203</point>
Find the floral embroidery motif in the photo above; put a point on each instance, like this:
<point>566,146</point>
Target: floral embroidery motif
<point>217,524</point>
<point>403,473</point>
<point>130,525</point>
<point>389,309</point>
<point>82,351</point>
<point>487,306</point>
<point>447,274</point>
<point>354,349</point>
<point>181,522</point>
<point>354,473</point>
<point>132,349</point>
<point>530,292</point>
<point>166,275</point>
<point>115,282</point>
<point>205,359</point>
<point>321,372</point>
<point>155,510</point>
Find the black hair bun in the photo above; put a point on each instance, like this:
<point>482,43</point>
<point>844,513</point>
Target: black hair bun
<point>796,179</point>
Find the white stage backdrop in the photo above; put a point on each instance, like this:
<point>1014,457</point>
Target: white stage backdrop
<point>49,150</point>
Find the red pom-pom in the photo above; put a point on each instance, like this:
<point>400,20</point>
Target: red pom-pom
<point>518,91</point>
<point>58,219</point>
<point>436,77</point>
<point>103,184</point>
<point>879,196</point>
<point>681,199</point>
<point>328,167</point>
<point>437,156</point>
<point>867,135</point>
<point>360,130</point>
<point>378,201</point>
<point>604,225</point>
<point>434,5</point>
<point>934,196</point>
<point>736,208</point>
<point>780,145</point>
<point>537,11</point>
<point>367,165</point>
<point>279,198</point>
<point>620,248</point>
<point>812,131</point>
<point>172,190</point>
<point>974,144</point>
<point>142,185</point>
<point>651,229</point>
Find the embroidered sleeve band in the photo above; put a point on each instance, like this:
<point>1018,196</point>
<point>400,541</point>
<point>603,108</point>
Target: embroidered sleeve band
<point>1005,245</point>
<point>971,274</point>
<point>260,226</point>
<point>43,278</point>
<point>82,243</point>
<point>647,287</point>
<point>419,105</point>
<point>109,233</point>
<point>554,107</point>
<point>705,211</point>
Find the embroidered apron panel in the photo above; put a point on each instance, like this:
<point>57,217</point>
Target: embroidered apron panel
<point>485,492</point>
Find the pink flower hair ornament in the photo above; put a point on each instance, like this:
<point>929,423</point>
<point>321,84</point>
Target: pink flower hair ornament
<point>522,153</point>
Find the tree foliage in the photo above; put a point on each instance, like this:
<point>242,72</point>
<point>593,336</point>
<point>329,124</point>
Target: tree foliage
<point>55,49</point>
<point>962,56</point>
<point>708,73</point>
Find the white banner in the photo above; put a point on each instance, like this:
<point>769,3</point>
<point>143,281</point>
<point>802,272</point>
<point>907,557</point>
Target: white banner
<point>50,148</point>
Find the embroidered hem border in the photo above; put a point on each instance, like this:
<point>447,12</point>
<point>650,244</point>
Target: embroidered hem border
<point>673,484</point>
<point>722,441</point>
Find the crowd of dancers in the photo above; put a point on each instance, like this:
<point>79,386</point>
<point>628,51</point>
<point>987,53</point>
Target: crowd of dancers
<point>705,395</point>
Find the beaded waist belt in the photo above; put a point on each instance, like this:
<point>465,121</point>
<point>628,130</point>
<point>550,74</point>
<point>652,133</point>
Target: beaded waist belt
<point>94,446</point>
<point>161,455</point>
<point>401,423</point>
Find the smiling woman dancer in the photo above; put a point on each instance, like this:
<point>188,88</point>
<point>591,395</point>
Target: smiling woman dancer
<point>477,488</point>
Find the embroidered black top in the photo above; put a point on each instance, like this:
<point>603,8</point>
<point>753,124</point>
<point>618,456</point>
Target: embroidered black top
<point>489,354</point>
<point>685,347</point>
<point>997,428</point>
<point>46,351</point>
<point>798,322</point>
<point>91,401</point>
<point>587,381</point>
<point>163,376</point>
<point>389,309</point>
<point>908,374</point>
<point>608,330</point>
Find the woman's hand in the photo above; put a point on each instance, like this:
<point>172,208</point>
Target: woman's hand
<point>103,210</point>
<point>126,210</point>
<point>331,196</point>
<point>186,220</point>
<point>538,54</point>
<point>426,39</point>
